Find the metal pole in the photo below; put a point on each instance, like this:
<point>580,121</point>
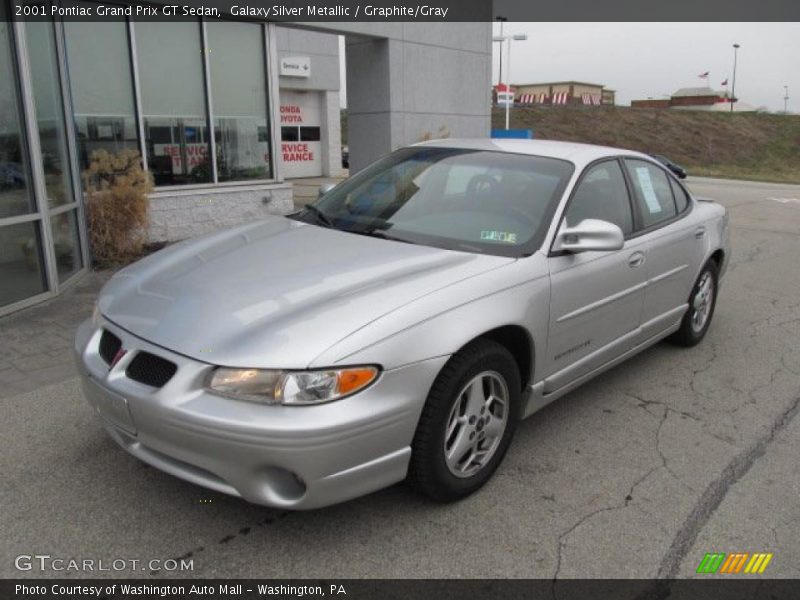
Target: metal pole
<point>733,86</point>
<point>500,75</point>
<point>786,99</point>
<point>508,83</point>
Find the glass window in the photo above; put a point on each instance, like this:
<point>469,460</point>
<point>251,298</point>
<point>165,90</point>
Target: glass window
<point>309,134</point>
<point>602,194</point>
<point>504,209</point>
<point>65,241</point>
<point>173,101</point>
<point>239,92</point>
<point>102,87</point>
<point>21,272</point>
<point>290,134</point>
<point>681,198</point>
<point>15,189</point>
<point>653,192</point>
<point>49,112</point>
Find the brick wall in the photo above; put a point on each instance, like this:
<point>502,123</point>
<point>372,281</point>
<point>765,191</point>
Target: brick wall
<point>177,215</point>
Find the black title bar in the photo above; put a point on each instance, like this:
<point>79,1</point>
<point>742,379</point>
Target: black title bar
<point>732,588</point>
<point>443,11</point>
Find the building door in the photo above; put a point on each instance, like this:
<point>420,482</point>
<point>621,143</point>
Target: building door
<point>41,240</point>
<point>301,137</point>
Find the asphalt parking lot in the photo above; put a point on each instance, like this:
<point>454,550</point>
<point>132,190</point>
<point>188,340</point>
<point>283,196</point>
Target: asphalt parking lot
<point>637,474</point>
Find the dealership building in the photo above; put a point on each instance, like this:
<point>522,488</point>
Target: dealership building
<point>224,113</point>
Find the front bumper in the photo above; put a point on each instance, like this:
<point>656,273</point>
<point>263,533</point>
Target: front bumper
<point>297,457</point>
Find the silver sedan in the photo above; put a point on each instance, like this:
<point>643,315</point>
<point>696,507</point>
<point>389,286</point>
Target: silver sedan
<point>401,326</point>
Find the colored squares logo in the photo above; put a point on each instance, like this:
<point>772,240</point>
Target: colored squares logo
<point>734,563</point>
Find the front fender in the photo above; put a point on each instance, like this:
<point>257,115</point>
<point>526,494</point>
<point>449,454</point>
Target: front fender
<point>445,321</point>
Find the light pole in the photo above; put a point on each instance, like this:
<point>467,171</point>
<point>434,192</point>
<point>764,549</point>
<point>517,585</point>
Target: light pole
<point>786,99</point>
<point>519,37</point>
<point>500,74</point>
<point>733,85</point>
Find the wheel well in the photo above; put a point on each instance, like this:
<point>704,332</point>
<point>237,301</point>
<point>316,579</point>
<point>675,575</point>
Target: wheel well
<point>518,342</point>
<point>718,257</point>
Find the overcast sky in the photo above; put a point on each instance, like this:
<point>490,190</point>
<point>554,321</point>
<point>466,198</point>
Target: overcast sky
<point>642,60</point>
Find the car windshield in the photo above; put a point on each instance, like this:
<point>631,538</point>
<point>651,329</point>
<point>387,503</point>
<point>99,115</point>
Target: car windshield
<point>458,199</point>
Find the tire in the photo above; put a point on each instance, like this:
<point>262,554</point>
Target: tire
<point>691,332</point>
<point>449,467</point>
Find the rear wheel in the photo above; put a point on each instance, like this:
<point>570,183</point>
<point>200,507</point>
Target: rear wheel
<point>702,302</point>
<point>467,423</point>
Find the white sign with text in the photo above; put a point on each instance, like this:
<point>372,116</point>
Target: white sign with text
<point>295,66</point>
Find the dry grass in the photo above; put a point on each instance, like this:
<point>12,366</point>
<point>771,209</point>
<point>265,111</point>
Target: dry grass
<point>742,146</point>
<point>116,189</point>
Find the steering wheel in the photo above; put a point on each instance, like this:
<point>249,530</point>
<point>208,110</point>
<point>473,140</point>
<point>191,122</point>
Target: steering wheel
<point>481,185</point>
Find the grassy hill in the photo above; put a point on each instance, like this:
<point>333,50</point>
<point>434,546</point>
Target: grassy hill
<point>742,146</point>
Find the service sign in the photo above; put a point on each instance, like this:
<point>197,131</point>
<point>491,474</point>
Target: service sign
<point>301,133</point>
<point>295,66</point>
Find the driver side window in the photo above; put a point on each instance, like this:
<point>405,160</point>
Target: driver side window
<point>602,194</point>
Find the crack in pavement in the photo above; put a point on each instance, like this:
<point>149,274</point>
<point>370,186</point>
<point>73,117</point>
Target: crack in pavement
<point>710,500</point>
<point>628,497</point>
<point>272,517</point>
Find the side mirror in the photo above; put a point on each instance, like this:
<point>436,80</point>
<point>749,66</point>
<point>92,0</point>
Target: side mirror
<point>589,234</point>
<point>324,189</point>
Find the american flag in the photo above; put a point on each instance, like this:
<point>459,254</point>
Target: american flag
<point>703,75</point>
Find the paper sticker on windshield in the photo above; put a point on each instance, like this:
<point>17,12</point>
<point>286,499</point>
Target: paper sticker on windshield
<point>499,236</point>
<point>646,184</point>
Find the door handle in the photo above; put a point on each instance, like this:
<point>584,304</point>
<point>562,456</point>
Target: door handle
<point>636,260</point>
<point>700,232</point>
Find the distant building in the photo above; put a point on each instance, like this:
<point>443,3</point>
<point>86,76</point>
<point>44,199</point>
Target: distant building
<point>696,98</point>
<point>564,92</point>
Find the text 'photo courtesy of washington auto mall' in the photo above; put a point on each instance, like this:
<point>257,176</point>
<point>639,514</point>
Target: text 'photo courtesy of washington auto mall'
<point>475,299</point>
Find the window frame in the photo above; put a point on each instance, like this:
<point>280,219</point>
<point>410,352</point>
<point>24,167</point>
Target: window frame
<point>271,94</point>
<point>586,170</point>
<point>639,228</point>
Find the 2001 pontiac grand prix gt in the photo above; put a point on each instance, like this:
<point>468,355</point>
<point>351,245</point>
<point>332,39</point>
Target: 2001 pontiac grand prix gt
<point>403,324</point>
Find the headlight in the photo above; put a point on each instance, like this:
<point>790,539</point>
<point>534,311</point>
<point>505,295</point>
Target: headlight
<point>290,387</point>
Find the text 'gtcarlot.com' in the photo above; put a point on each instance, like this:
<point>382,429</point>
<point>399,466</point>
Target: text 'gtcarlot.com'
<point>46,562</point>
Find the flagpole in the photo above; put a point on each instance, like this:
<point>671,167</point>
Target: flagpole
<point>733,86</point>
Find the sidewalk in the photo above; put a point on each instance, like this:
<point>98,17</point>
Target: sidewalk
<point>36,343</point>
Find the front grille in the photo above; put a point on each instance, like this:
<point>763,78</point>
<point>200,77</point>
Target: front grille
<point>150,369</point>
<point>109,346</point>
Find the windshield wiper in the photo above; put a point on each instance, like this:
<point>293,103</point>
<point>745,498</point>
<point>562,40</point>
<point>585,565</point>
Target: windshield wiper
<point>320,216</point>
<point>381,233</point>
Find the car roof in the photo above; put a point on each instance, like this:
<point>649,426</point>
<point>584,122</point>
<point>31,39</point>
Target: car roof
<point>577,153</point>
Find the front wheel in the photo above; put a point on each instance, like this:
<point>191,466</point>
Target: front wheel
<point>467,424</point>
<point>702,302</point>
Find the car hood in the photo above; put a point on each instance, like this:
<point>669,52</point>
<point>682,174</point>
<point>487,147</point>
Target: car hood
<point>276,293</point>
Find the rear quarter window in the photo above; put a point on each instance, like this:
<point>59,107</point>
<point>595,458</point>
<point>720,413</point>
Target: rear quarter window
<point>680,195</point>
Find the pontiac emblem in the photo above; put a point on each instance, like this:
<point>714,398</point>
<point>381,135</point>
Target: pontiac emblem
<point>117,357</point>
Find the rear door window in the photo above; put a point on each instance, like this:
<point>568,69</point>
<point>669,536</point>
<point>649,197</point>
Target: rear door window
<point>653,192</point>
